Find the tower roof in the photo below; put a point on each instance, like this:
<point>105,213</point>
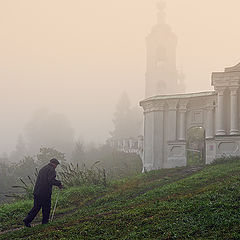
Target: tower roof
<point>161,5</point>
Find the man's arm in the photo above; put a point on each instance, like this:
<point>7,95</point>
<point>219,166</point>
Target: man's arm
<point>52,179</point>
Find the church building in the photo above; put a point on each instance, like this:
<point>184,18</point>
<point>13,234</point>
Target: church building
<point>169,113</point>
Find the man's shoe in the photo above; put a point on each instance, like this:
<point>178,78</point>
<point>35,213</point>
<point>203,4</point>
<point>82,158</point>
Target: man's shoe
<point>27,224</point>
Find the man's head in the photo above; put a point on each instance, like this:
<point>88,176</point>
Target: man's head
<point>54,162</point>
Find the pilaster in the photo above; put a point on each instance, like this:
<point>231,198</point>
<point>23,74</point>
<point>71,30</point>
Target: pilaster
<point>220,112</point>
<point>172,119</point>
<point>182,112</point>
<point>210,120</point>
<point>234,110</point>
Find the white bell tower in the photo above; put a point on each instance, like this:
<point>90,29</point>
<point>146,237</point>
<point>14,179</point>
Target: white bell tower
<point>162,76</point>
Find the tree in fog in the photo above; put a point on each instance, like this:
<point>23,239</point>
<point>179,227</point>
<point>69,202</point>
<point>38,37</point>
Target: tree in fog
<point>20,150</point>
<point>127,120</point>
<point>78,155</point>
<point>4,158</point>
<point>26,167</point>
<point>46,154</point>
<point>49,129</point>
<point>5,179</point>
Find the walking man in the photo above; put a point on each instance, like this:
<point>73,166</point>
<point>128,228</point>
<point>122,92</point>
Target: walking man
<point>43,191</point>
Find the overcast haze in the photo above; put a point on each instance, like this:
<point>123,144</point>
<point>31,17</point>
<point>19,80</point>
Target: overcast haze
<point>76,57</point>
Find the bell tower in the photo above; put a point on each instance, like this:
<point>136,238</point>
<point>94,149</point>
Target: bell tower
<point>162,76</point>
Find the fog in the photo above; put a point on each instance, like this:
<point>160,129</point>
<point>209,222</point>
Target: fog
<point>76,57</point>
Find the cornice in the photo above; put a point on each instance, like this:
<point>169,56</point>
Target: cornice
<point>172,104</point>
<point>231,76</point>
<point>152,106</point>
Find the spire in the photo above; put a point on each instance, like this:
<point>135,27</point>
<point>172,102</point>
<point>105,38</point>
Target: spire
<point>161,5</point>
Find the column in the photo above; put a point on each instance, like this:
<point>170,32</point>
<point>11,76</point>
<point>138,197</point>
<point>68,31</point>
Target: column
<point>172,119</point>
<point>220,112</point>
<point>148,157</point>
<point>234,111</point>
<point>158,134</point>
<point>140,142</point>
<point>182,130</point>
<point>210,120</point>
<point>182,125</point>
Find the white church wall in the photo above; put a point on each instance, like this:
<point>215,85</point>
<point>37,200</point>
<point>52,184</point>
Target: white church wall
<point>210,150</point>
<point>148,160</point>
<point>227,146</point>
<point>176,154</point>
<point>158,139</point>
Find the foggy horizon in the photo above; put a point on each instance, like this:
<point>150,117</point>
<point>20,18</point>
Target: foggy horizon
<point>77,58</point>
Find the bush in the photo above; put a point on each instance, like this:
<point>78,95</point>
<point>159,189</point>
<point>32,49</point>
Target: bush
<point>75,176</point>
<point>225,159</point>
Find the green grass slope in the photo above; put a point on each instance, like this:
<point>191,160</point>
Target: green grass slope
<point>180,203</point>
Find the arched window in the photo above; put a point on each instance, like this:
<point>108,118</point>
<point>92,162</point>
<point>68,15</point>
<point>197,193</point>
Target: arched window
<point>160,57</point>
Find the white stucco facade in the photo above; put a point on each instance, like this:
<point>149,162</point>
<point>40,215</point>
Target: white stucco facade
<point>168,117</point>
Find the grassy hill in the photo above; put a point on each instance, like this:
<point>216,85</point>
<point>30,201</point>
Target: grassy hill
<point>180,203</point>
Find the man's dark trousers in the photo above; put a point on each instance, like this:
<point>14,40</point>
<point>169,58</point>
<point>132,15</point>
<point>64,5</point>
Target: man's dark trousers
<point>40,202</point>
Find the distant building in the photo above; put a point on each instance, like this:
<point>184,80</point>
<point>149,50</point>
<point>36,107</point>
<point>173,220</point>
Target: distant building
<point>128,145</point>
<point>162,76</point>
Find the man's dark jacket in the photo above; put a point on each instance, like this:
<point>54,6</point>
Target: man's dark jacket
<point>45,180</point>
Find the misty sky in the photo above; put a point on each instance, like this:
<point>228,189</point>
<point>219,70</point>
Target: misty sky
<point>76,57</point>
